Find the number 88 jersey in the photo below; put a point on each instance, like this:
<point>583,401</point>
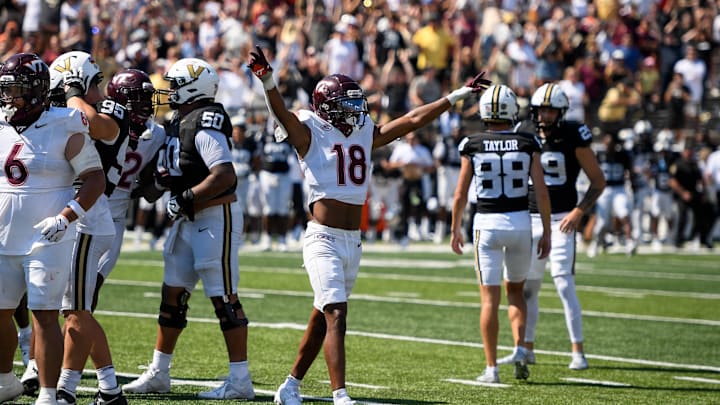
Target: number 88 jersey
<point>561,166</point>
<point>501,166</point>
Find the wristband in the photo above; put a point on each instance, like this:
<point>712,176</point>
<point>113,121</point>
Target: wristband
<point>77,208</point>
<point>73,91</point>
<point>459,94</point>
<point>268,81</point>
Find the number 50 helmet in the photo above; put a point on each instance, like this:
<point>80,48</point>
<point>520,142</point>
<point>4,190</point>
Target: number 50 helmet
<point>25,76</point>
<point>498,104</point>
<point>548,95</point>
<point>340,101</point>
<point>191,79</point>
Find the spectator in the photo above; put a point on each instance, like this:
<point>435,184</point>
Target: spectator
<point>688,184</point>
<point>693,72</point>
<point>435,44</point>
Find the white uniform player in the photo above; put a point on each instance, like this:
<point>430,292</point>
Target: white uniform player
<point>334,144</point>
<point>500,162</point>
<point>43,150</point>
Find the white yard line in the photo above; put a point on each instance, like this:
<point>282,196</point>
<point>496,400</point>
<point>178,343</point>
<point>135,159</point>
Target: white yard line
<point>475,383</point>
<point>596,382</point>
<point>697,379</point>
<point>414,339</point>
<point>359,385</point>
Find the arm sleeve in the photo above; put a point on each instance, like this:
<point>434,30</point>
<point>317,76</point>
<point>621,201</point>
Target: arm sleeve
<point>213,147</point>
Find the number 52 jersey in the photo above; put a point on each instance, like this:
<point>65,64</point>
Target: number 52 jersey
<point>501,168</point>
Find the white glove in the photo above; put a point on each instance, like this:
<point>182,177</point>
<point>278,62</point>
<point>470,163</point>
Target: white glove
<point>174,210</point>
<point>53,228</point>
<point>74,78</point>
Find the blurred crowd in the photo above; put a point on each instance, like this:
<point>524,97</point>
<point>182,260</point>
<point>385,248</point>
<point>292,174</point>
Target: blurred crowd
<point>618,61</point>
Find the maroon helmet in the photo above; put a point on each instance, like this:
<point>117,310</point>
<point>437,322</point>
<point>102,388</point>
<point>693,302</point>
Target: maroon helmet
<point>26,76</point>
<point>133,89</point>
<point>340,101</point>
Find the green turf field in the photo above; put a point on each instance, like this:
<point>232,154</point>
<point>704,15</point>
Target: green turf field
<point>651,325</point>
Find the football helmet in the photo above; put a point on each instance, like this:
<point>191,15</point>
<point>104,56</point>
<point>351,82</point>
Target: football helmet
<point>340,101</point>
<point>548,95</point>
<point>133,89</point>
<point>26,76</point>
<point>498,104</point>
<point>74,60</point>
<point>191,79</point>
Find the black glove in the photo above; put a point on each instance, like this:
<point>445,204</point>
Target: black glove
<point>181,204</point>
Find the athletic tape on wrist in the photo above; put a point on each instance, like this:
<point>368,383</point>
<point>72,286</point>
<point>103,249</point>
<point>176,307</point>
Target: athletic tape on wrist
<point>77,208</point>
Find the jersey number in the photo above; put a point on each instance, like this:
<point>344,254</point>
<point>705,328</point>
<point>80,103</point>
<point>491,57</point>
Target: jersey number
<point>110,107</point>
<point>133,161</point>
<point>356,169</point>
<point>211,119</point>
<point>15,170</point>
<point>502,175</point>
<point>553,164</point>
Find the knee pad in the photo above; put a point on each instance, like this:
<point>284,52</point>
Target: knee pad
<point>227,314</point>
<point>178,313</point>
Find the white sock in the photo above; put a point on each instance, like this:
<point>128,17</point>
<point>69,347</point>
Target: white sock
<point>26,331</point>
<point>161,361</point>
<point>107,381</point>
<point>532,292</point>
<point>48,395</point>
<point>69,380</point>
<point>291,381</point>
<point>239,369</point>
<point>490,369</point>
<point>340,393</point>
<point>565,286</point>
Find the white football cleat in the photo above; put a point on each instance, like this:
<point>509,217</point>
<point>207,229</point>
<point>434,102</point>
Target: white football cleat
<point>150,381</point>
<point>30,380</point>
<point>592,249</point>
<point>231,389</point>
<point>489,377</point>
<point>578,361</point>
<point>10,387</point>
<point>344,401</point>
<point>287,395</point>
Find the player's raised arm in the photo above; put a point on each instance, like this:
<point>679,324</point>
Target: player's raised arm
<point>425,114</point>
<point>297,133</point>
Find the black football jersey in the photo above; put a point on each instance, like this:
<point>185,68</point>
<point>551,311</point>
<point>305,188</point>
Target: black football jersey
<point>660,164</point>
<point>112,155</point>
<point>274,155</point>
<point>614,162</point>
<point>501,165</point>
<point>561,166</point>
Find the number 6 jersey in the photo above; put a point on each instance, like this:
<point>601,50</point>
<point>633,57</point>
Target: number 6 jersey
<point>501,168</point>
<point>337,167</point>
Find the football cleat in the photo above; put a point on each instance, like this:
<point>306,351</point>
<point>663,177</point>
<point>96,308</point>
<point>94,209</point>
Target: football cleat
<point>231,389</point>
<point>30,381</point>
<point>522,372</point>
<point>530,357</point>
<point>489,377</point>
<point>10,389</point>
<point>344,401</point>
<point>104,398</point>
<point>65,398</point>
<point>151,381</point>
<point>578,361</point>
<point>287,395</point>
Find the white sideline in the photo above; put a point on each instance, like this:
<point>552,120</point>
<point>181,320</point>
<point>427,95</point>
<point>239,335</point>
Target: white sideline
<point>697,379</point>
<point>476,383</point>
<point>596,382</point>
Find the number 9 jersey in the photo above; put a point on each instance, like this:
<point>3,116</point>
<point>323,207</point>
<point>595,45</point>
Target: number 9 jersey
<point>561,166</point>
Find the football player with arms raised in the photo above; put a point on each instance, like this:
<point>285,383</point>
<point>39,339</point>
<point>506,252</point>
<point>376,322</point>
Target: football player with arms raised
<point>195,164</point>
<point>565,151</point>
<point>334,144</point>
<point>44,149</point>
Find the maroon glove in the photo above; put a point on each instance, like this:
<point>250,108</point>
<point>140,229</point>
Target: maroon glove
<point>259,64</point>
<point>478,83</point>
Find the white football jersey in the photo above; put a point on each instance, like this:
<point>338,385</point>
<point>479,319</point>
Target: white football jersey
<point>135,161</point>
<point>337,167</point>
<point>37,180</point>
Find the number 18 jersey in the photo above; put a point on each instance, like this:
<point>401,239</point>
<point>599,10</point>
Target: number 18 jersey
<point>337,167</point>
<point>501,167</point>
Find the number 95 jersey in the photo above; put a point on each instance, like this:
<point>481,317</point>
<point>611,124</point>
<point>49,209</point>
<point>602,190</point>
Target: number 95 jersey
<point>561,166</point>
<point>337,167</point>
<point>501,165</point>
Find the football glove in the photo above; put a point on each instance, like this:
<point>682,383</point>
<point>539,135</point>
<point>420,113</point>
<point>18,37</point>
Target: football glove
<point>74,83</point>
<point>476,85</point>
<point>53,228</point>
<point>180,205</point>
<point>259,64</point>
